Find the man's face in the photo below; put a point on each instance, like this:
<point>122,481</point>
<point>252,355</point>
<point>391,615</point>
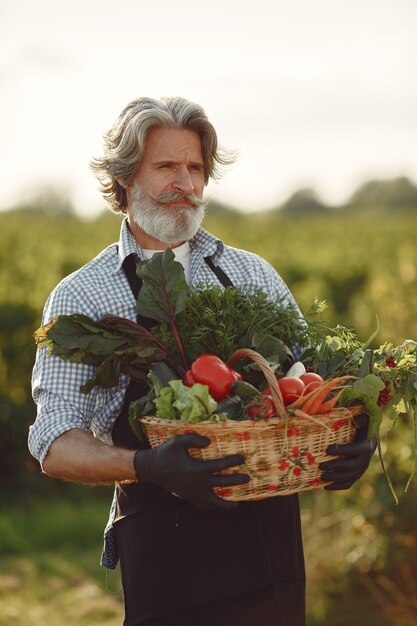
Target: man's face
<point>172,162</point>
<point>165,197</point>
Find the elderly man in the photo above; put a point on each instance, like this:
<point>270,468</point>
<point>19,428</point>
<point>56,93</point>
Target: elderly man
<point>196,559</point>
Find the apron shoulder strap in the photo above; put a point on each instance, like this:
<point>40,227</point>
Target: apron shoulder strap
<point>129,268</point>
<point>221,275</point>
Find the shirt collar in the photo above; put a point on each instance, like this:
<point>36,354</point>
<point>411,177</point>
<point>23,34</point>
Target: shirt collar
<point>127,245</point>
<point>206,244</point>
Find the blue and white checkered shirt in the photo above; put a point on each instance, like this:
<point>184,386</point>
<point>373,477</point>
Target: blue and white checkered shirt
<point>100,288</point>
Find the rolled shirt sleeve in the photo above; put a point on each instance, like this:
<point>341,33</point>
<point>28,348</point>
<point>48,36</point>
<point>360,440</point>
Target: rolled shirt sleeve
<point>56,385</point>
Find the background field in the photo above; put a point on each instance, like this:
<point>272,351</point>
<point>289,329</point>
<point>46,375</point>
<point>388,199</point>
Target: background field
<point>360,547</point>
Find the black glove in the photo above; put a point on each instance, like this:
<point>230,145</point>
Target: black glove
<point>344,472</point>
<point>170,466</point>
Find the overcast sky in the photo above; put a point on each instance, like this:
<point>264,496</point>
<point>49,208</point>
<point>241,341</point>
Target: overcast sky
<point>313,93</point>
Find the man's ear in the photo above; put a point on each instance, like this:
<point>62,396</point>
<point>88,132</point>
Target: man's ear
<point>123,184</point>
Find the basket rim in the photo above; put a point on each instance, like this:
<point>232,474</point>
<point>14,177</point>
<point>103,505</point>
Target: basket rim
<point>274,422</point>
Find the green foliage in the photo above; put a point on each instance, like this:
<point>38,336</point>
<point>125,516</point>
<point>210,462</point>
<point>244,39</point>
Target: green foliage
<point>164,289</point>
<point>16,361</point>
<point>216,321</point>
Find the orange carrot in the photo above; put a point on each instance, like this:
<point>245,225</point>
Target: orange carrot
<point>328,406</point>
<point>316,400</point>
<point>301,399</point>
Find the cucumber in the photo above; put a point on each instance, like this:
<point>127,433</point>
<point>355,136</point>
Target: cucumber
<point>244,390</point>
<point>232,406</point>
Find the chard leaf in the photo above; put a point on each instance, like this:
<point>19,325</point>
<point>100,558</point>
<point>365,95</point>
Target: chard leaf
<point>106,374</point>
<point>164,290</point>
<point>69,336</point>
<point>113,345</point>
<point>72,331</point>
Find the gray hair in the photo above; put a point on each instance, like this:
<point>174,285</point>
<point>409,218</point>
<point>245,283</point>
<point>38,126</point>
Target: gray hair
<point>124,143</point>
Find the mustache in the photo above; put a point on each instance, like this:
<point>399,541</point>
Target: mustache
<point>173,196</point>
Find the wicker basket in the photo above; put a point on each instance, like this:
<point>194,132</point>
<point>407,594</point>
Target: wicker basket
<point>282,454</point>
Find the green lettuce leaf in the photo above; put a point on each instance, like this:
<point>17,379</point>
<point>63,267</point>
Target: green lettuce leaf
<point>188,404</point>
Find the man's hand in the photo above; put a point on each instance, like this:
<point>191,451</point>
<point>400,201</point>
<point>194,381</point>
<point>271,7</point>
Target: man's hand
<point>170,466</point>
<point>356,456</point>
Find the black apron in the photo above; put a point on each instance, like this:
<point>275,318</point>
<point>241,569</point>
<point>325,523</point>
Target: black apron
<point>187,555</point>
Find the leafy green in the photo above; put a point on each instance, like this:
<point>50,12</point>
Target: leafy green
<point>352,396</point>
<point>116,345</point>
<point>370,386</point>
<point>218,321</point>
<point>164,290</point>
<point>113,345</point>
<point>188,404</point>
<point>139,408</point>
<point>163,293</point>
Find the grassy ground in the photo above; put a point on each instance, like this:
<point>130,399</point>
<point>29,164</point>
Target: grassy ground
<point>49,571</point>
<point>42,589</point>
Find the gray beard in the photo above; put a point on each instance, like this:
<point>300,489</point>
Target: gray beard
<point>168,224</point>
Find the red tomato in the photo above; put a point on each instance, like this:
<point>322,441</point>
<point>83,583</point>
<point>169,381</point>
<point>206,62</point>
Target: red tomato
<point>311,381</point>
<point>261,408</point>
<point>291,388</point>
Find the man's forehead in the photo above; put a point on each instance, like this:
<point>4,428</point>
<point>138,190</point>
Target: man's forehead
<point>173,143</point>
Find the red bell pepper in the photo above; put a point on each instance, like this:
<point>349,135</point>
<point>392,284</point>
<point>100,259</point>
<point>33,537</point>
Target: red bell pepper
<point>210,370</point>
<point>189,379</point>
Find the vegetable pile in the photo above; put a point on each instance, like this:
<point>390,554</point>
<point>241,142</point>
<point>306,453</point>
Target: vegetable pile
<point>184,357</point>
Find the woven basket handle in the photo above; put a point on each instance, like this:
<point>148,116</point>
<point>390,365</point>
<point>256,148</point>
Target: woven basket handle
<point>267,372</point>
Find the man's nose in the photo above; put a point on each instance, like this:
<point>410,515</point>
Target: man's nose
<point>183,181</point>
